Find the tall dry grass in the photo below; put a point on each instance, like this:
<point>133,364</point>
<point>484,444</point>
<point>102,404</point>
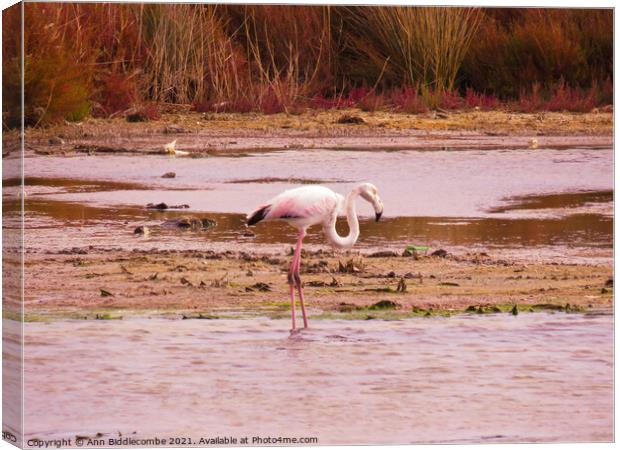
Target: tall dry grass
<point>102,58</point>
<point>189,54</point>
<point>289,52</point>
<point>414,44</point>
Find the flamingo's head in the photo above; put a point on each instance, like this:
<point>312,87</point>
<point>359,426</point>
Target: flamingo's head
<point>370,193</point>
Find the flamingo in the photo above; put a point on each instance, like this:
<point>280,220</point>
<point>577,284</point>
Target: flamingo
<point>305,206</point>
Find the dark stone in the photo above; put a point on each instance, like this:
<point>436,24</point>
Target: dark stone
<point>169,175</point>
<point>440,253</point>
<point>350,119</point>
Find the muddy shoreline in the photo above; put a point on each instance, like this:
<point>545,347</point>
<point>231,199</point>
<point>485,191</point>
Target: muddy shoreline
<point>208,134</point>
<point>111,282</point>
<point>115,284</point>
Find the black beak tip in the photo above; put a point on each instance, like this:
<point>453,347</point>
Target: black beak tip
<point>378,216</point>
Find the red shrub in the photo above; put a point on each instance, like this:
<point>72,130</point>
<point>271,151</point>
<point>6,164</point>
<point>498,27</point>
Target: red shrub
<point>566,98</point>
<point>117,92</point>
<point>408,100</point>
<point>371,102</point>
<point>482,101</point>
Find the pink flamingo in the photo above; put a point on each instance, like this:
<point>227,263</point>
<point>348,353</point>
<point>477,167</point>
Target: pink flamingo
<point>311,205</point>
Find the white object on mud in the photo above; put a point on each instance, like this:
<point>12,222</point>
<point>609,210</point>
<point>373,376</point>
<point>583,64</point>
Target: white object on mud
<point>171,150</point>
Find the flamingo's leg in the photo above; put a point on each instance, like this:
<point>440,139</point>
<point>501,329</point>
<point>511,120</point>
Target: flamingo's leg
<point>300,290</point>
<point>292,291</point>
<point>293,276</point>
<point>293,279</point>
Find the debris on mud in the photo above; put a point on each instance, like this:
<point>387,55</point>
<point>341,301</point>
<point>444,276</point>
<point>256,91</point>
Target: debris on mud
<point>383,254</point>
<point>221,282</point>
<point>319,283</point>
<point>441,253</point>
<point>261,287</point>
<point>142,230</point>
<point>351,266</point>
<point>174,129</point>
<point>55,140</point>
<point>137,115</point>
<point>163,206</point>
<point>350,119</point>
<point>183,223</point>
<point>402,286</point>
<point>105,293</point>
<point>384,304</point>
<point>207,223</point>
<point>169,175</point>
<point>410,253</point>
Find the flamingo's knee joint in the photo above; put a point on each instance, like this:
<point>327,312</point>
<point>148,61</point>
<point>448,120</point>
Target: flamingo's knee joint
<point>294,279</point>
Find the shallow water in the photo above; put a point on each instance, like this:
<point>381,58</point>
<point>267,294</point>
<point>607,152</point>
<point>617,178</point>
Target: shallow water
<point>545,203</point>
<point>411,183</point>
<point>534,377</point>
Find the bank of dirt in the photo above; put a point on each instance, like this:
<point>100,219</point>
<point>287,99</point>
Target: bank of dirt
<point>211,133</point>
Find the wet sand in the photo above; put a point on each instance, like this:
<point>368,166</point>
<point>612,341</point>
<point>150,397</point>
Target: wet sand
<point>534,378</point>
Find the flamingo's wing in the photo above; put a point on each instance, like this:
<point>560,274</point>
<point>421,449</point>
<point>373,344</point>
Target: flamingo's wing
<point>307,204</point>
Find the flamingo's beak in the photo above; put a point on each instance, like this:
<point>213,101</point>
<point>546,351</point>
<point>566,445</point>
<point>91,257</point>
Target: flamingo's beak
<point>378,216</point>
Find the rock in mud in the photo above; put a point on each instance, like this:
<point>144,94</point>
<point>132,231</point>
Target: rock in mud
<point>383,254</point>
<point>609,282</point>
<point>141,231</point>
<point>169,175</point>
<point>440,253</point>
<point>105,293</point>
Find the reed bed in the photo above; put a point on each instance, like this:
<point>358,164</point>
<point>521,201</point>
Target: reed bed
<point>103,59</point>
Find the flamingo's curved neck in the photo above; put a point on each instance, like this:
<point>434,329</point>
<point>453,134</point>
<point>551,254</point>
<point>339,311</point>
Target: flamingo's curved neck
<point>354,226</point>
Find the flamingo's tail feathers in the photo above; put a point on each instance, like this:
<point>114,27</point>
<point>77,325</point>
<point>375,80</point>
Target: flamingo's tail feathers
<point>258,215</point>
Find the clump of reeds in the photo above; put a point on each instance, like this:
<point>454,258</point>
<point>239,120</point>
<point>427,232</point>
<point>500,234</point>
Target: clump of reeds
<point>416,44</point>
<point>106,58</point>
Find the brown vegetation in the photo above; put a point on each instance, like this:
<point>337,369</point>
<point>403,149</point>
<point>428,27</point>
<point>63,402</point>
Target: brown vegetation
<point>101,59</point>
